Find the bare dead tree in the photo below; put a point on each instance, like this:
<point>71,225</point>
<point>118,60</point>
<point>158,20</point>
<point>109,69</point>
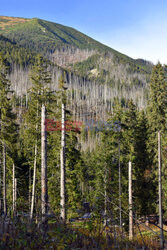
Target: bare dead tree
<point>34,182</point>
<point>160,189</point>
<point>4,180</point>
<point>14,191</point>
<point>130,203</point>
<point>62,170</point>
<point>34,174</point>
<point>120,191</point>
<point>44,193</point>
<point>15,195</point>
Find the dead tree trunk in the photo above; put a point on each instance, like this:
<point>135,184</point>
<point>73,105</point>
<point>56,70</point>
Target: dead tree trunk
<point>4,180</point>
<point>62,170</point>
<point>34,174</point>
<point>160,190</point>
<point>29,195</point>
<point>105,196</point>
<point>14,187</point>
<point>44,195</point>
<point>120,191</point>
<point>130,203</point>
<point>34,181</point>
<point>15,196</point>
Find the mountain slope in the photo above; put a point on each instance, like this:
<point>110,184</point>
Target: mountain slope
<point>44,36</point>
<point>88,64</point>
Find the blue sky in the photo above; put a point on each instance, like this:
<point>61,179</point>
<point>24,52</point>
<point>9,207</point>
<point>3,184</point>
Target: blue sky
<point>137,28</point>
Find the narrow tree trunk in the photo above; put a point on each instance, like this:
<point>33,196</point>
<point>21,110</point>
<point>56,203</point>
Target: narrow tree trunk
<point>105,197</point>
<point>44,195</point>
<point>34,181</point>
<point>62,170</point>
<point>130,203</point>
<point>29,195</point>
<point>15,196</point>
<point>34,174</point>
<point>120,191</point>
<point>14,212</point>
<point>160,190</point>
<point>4,180</point>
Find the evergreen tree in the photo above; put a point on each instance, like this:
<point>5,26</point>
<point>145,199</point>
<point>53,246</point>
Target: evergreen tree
<point>39,94</point>
<point>8,127</point>
<point>156,113</point>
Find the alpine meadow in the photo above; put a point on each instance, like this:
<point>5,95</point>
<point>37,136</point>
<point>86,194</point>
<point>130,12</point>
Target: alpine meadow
<point>83,142</point>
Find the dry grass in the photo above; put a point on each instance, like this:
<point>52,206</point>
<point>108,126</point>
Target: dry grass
<point>6,22</point>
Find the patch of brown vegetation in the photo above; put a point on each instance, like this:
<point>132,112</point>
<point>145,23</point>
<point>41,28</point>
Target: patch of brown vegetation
<point>11,21</point>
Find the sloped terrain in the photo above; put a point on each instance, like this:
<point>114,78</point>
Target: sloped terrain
<point>88,64</point>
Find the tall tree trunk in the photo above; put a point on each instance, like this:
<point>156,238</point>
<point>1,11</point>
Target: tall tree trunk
<point>120,191</point>
<point>62,170</point>
<point>29,195</point>
<point>34,182</point>
<point>160,190</point>
<point>130,203</point>
<point>105,196</point>
<point>4,180</point>
<point>15,195</point>
<point>34,174</point>
<point>44,195</point>
<point>14,201</point>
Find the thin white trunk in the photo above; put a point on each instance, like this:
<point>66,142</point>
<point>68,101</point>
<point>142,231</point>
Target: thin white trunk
<point>4,180</point>
<point>130,203</point>
<point>14,212</point>
<point>44,195</point>
<point>34,182</point>
<point>62,170</point>
<point>15,195</point>
<point>160,190</point>
<point>120,191</point>
<point>29,187</point>
<point>105,197</point>
<point>34,174</point>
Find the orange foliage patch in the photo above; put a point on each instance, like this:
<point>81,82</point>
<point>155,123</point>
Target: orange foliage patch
<point>11,21</point>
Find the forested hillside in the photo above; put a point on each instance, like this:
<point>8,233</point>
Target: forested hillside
<point>82,135</point>
<point>83,59</point>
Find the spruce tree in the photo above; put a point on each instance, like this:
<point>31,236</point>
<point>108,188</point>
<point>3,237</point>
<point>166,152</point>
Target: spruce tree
<point>156,113</point>
<point>8,127</point>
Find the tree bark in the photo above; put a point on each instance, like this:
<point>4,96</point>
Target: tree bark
<point>160,189</point>
<point>105,196</point>
<point>130,203</point>
<point>14,187</point>
<point>62,170</point>
<point>4,180</point>
<point>120,191</point>
<point>34,174</point>
<point>34,182</point>
<point>29,195</point>
<point>15,195</point>
<point>44,195</point>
